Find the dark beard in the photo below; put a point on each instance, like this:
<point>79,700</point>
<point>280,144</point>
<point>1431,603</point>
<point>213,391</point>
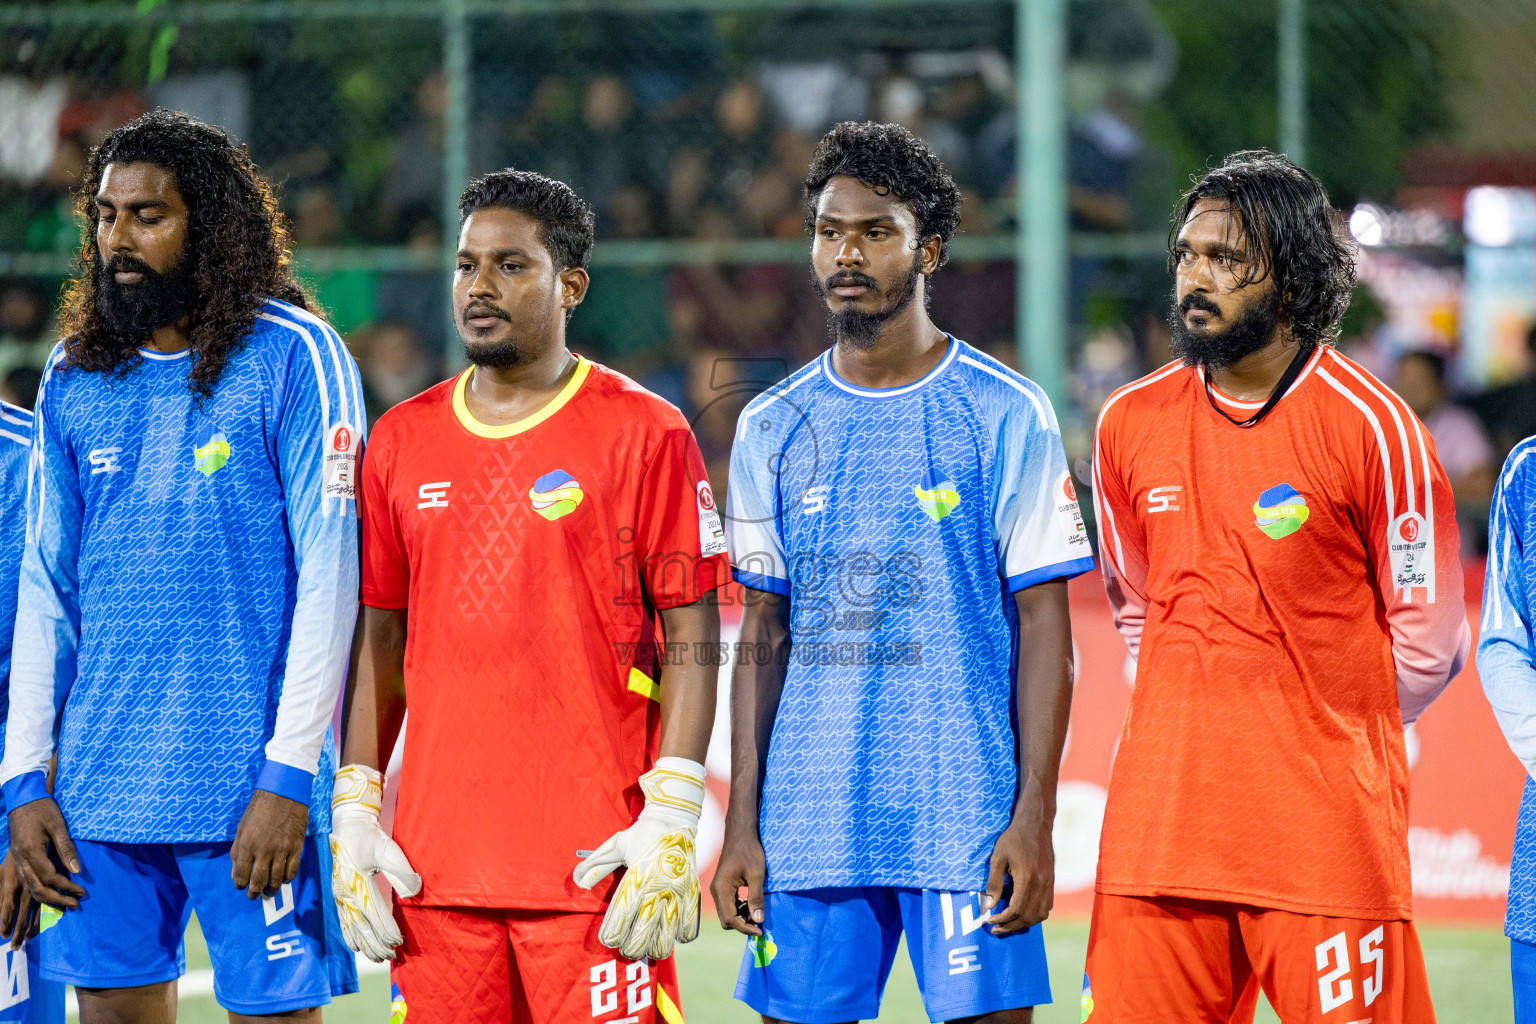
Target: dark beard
<point>135,311</point>
<point>1219,349</point>
<point>858,329</point>
<point>504,355</point>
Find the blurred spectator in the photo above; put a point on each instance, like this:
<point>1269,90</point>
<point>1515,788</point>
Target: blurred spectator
<point>393,365</point>
<point>25,319</point>
<point>19,387</point>
<point>1510,411</point>
<point>412,190</point>
<point>1459,440</point>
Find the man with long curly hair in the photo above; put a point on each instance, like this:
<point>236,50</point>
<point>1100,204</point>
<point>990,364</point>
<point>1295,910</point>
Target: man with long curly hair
<point>189,586</point>
<point>1280,552</point>
<point>901,513</point>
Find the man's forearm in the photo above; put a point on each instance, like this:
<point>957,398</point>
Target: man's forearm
<point>756,687</point>
<point>1044,692</point>
<point>375,701</point>
<point>688,690</point>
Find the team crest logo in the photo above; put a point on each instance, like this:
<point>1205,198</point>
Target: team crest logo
<point>555,494</point>
<point>763,949</point>
<point>937,496</point>
<point>396,1005</point>
<point>1280,511</point>
<point>210,458</point>
<point>1087,1001</point>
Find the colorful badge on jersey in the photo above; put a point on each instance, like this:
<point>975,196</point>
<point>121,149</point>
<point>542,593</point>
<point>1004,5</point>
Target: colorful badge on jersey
<point>763,949</point>
<point>396,1005</point>
<point>937,496</point>
<point>555,494</point>
<point>1087,1001</point>
<point>1280,511</point>
<point>210,458</point>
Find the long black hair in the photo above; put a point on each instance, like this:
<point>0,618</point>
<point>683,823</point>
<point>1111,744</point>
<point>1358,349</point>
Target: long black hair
<point>237,244</point>
<point>1284,214</point>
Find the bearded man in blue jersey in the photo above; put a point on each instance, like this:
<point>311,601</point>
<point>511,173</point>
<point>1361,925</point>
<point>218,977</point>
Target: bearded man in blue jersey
<point>901,514</point>
<point>188,590</point>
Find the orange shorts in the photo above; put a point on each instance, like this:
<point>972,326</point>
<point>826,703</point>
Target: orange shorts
<point>1175,961</point>
<point>465,965</point>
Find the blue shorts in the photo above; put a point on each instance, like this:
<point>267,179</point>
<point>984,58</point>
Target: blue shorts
<point>825,956</point>
<point>271,955</point>
<point>24,996</point>
<point>1522,970</point>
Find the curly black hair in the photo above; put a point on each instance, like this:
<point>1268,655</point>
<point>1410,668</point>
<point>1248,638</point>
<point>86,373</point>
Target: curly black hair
<point>1284,213</point>
<point>895,162</point>
<point>237,244</point>
<point>567,226</point>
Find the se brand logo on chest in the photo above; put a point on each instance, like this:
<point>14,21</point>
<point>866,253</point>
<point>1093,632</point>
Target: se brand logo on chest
<point>211,457</point>
<point>555,494</point>
<point>1280,511</point>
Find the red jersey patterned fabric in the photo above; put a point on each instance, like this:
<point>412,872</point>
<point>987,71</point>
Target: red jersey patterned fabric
<point>532,560</point>
<point>1293,595</point>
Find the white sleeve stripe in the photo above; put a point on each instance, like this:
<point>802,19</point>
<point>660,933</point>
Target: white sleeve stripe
<point>984,368</point>
<point>325,401</point>
<point>1381,444</point>
<point>1402,435</point>
<point>20,439</point>
<point>335,346</point>
<point>773,394</point>
<point>36,478</point>
<point>1499,533</point>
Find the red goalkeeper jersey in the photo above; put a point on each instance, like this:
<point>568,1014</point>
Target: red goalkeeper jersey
<point>1293,595</point>
<point>531,560</point>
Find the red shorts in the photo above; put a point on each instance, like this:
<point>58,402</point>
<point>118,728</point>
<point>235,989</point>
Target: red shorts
<point>465,965</point>
<point>1174,961</point>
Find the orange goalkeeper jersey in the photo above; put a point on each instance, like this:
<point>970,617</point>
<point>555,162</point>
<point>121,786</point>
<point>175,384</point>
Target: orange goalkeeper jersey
<point>1292,594</point>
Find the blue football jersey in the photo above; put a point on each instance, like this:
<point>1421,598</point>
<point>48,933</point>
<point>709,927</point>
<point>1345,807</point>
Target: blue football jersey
<point>188,586</point>
<point>1506,658</point>
<point>899,522</point>
<point>15,443</point>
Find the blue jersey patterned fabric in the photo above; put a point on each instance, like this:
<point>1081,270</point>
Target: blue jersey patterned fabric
<point>188,586</point>
<point>899,522</point>
<point>1506,658</point>
<point>15,443</point>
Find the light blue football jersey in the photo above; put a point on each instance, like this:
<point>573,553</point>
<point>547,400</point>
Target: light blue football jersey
<point>899,522</point>
<point>1506,658</point>
<point>188,586</point>
<point>15,443</point>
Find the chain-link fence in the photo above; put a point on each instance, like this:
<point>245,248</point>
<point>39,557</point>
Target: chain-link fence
<point>688,126</point>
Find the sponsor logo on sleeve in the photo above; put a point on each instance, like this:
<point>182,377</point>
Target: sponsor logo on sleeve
<point>711,530</point>
<point>341,462</point>
<point>1411,550</point>
<point>1068,513</point>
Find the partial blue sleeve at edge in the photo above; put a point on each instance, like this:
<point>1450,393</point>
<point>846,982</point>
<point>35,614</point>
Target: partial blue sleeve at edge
<point>287,781</point>
<point>1506,655</point>
<point>757,581</point>
<point>1046,573</point>
<point>25,789</point>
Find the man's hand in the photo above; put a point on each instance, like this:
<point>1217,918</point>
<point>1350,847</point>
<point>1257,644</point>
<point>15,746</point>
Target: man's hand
<point>18,911</point>
<point>359,850</point>
<point>1023,853</point>
<point>37,833</point>
<point>741,864</point>
<point>657,901</point>
<point>268,844</point>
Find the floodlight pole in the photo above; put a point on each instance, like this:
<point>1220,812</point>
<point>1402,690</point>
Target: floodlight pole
<point>1041,281</point>
<point>1292,43</point>
<point>455,120</point>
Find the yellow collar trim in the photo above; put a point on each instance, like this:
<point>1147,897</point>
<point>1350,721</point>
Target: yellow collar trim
<point>554,405</point>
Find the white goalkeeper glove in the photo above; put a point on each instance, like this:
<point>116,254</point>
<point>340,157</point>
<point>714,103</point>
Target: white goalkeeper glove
<point>657,901</point>
<point>359,850</point>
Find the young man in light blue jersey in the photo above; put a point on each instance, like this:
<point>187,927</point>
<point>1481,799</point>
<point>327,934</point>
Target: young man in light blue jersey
<point>1506,663</point>
<point>188,590</point>
<point>901,512</point>
<point>25,995</point>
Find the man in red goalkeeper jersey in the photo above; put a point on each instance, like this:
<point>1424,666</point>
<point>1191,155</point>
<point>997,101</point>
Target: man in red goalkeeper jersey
<point>526,527</point>
<point>1280,549</point>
